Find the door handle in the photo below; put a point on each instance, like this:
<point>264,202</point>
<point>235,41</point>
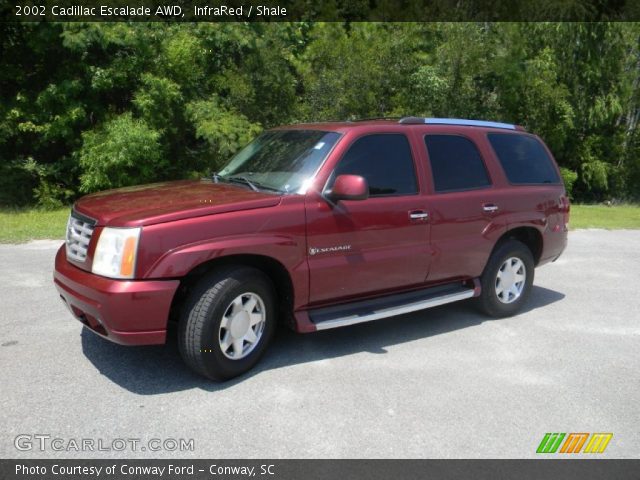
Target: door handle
<point>490,207</point>
<point>418,215</point>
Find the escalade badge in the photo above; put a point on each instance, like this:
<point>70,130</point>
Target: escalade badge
<point>337,248</point>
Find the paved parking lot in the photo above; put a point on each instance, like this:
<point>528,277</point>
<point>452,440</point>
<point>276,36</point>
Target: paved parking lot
<point>445,382</point>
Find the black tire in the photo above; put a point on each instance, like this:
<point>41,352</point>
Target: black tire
<point>488,301</point>
<point>199,330</point>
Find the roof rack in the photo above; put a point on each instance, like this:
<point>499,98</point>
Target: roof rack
<point>455,121</point>
<point>374,118</point>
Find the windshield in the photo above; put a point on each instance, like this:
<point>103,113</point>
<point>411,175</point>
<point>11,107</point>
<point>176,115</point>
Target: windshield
<point>281,160</point>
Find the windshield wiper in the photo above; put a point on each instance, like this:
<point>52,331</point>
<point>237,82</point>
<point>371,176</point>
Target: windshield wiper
<point>262,186</point>
<point>255,186</point>
<point>245,180</point>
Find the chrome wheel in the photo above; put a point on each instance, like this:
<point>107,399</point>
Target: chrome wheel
<point>242,326</point>
<point>511,279</point>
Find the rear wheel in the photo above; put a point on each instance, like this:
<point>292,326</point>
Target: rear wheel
<point>227,322</point>
<point>507,279</point>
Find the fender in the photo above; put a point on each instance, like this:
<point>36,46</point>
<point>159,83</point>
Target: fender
<point>537,220</point>
<point>180,261</point>
<point>553,236</point>
<point>284,249</point>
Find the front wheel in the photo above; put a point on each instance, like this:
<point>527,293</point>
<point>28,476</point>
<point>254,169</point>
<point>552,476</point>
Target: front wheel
<point>507,280</point>
<point>227,322</point>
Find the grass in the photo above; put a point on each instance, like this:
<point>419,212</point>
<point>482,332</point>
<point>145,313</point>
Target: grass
<point>601,216</point>
<point>18,226</point>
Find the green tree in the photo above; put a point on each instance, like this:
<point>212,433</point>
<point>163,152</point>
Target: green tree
<point>121,152</point>
<point>85,106</point>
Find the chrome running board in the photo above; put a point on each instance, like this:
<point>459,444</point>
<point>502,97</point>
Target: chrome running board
<point>378,308</point>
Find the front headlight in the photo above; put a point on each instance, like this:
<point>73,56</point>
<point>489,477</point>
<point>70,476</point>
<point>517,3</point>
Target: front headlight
<point>116,252</point>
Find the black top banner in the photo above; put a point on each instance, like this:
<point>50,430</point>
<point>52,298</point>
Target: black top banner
<point>310,10</point>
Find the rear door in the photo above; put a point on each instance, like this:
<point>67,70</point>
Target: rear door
<point>466,207</point>
<point>536,192</point>
<point>375,245</point>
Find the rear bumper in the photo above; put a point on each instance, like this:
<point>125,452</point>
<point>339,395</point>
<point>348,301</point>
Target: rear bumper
<point>554,244</point>
<point>123,311</point>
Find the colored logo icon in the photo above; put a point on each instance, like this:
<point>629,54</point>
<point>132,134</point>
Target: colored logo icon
<point>573,442</point>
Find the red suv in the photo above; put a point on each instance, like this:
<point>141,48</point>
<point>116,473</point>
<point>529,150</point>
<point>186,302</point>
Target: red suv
<point>321,226</point>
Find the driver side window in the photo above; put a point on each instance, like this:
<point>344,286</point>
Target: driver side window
<point>385,161</point>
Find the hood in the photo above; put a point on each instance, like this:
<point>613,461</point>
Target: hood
<point>169,201</point>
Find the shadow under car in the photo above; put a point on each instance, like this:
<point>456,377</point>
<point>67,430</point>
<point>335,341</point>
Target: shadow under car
<point>151,370</point>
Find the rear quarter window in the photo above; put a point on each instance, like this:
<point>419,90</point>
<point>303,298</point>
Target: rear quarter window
<point>524,159</point>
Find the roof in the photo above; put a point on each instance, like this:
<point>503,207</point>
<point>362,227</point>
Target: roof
<point>403,123</point>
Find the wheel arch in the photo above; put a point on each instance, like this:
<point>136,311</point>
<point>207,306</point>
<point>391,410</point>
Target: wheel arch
<point>275,270</point>
<point>530,236</point>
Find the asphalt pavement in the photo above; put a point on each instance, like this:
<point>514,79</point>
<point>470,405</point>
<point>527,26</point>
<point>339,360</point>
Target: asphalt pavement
<point>441,383</point>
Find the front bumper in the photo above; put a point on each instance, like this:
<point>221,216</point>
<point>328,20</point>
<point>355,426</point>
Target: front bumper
<point>128,312</point>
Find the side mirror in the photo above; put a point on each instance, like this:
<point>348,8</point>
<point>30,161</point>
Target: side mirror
<point>349,187</point>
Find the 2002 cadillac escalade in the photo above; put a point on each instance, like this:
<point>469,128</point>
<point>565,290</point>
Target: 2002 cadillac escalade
<point>321,226</point>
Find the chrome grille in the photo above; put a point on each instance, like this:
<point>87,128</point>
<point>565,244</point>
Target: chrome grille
<point>79,232</point>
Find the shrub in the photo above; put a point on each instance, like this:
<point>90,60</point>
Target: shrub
<point>124,151</point>
<point>569,177</point>
<point>225,131</point>
<point>16,184</point>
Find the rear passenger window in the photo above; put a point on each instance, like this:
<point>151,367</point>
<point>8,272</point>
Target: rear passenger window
<point>523,158</point>
<point>456,163</point>
<point>385,161</point>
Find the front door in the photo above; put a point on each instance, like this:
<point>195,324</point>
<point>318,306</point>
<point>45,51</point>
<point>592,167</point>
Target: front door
<point>370,246</point>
